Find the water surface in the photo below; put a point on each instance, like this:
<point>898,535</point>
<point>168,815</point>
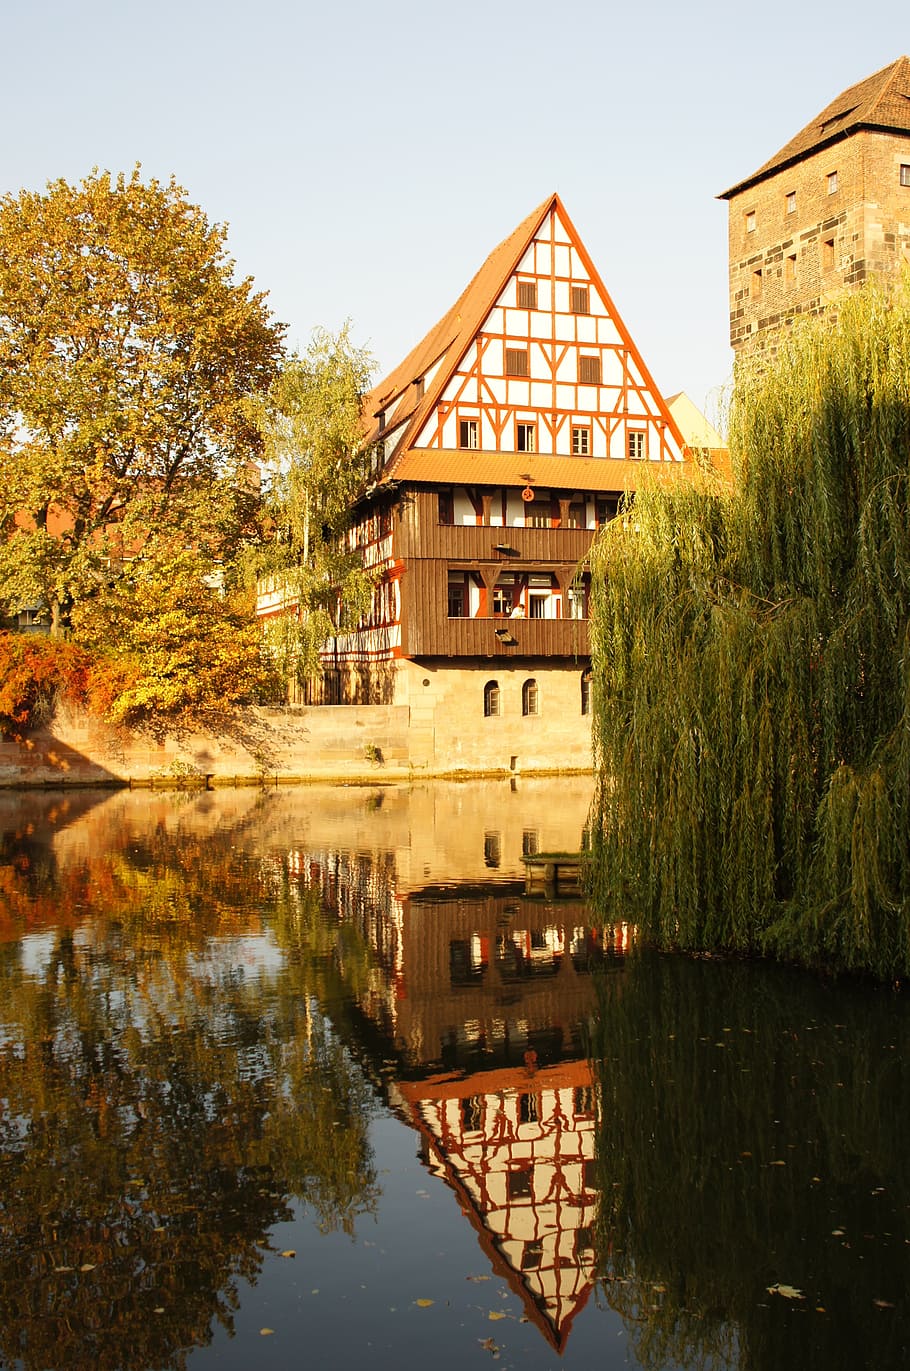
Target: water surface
<point>307,1077</point>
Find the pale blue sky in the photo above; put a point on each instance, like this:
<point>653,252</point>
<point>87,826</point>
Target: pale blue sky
<point>367,157</point>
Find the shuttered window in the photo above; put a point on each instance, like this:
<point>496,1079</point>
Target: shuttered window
<point>579,300</point>
<point>516,361</point>
<point>527,294</point>
<point>588,370</point>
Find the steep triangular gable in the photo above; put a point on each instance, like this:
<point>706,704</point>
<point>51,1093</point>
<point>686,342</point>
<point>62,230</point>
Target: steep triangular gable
<point>538,1232</point>
<point>881,101</point>
<point>532,358</point>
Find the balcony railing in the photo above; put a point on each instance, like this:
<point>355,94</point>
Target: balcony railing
<point>433,636</point>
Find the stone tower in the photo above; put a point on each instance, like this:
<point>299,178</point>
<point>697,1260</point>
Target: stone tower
<point>828,210</point>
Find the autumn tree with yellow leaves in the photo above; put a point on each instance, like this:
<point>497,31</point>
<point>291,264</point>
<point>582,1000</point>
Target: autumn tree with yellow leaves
<point>127,354</point>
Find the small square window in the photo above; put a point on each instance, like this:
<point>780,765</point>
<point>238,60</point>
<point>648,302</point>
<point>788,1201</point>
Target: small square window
<point>750,221</point>
<point>637,444</point>
<point>527,294</point>
<point>832,182</point>
<point>516,361</point>
<point>518,1184</point>
<point>526,437</point>
<point>581,442</point>
<point>791,201</point>
<point>579,300</point>
<point>467,433</point>
<point>588,370</point>
<point>905,173</point>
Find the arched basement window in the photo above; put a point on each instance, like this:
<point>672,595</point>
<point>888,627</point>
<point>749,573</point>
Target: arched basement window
<point>586,692</point>
<point>491,699</point>
<point>529,698</point>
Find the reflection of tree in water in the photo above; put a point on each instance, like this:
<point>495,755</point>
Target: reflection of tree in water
<point>169,1085</point>
<point>753,1133</point>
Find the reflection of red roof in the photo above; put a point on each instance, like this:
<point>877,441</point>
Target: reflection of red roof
<point>881,101</point>
<point>506,1080</point>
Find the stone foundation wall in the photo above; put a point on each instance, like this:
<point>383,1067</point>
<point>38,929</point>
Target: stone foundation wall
<point>436,727</point>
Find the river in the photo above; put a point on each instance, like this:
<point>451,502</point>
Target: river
<point>307,1077</point>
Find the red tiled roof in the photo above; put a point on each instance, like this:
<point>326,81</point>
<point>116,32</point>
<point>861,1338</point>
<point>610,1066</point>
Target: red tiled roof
<point>451,336</point>
<point>881,101</point>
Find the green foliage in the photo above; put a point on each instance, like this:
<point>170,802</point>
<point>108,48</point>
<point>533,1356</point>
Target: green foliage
<point>752,673</point>
<point>167,645</point>
<point>127,353</point>
<point>317,465</point>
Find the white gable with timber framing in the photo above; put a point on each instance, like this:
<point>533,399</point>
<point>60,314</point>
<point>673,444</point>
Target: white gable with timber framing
<point>532,359</point>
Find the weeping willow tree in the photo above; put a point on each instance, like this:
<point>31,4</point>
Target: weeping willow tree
<point>752,667</point>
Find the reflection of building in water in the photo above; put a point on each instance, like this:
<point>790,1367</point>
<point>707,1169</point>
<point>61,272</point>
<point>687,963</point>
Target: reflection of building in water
<point>517,1147</point>
<point>468,976</point>
<point>482,993</point>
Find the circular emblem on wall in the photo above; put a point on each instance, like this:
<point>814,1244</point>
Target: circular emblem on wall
<point>527,494</point>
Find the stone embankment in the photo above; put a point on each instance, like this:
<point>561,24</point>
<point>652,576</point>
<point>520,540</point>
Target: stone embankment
<point>257,746</point>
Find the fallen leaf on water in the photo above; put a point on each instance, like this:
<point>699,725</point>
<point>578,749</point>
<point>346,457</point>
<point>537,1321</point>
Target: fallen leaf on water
<point>497,1314</point>
<point>489,1345</point>
<point>289,1253</point>
<point>477,1278</point>
<point>424,1304</point>
<point>778,1163</point>
<point>88,1266</point>
<point>159,1309</point>
<point>266,1332</point>
<point>789,1292</point>
<point>64,1268</point>
<point>883,1304</point>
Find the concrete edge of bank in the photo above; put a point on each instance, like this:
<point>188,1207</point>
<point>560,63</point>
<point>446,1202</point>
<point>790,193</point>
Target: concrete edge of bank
<point>379,777</point>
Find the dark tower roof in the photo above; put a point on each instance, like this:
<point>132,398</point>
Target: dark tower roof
<point>881,101</point>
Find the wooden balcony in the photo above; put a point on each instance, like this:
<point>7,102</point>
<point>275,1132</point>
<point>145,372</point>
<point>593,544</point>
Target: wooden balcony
<point>454,543</point>
<point>428,634</point>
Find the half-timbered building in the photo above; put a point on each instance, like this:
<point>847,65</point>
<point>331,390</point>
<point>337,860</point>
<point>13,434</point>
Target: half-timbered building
<point>520,425</point>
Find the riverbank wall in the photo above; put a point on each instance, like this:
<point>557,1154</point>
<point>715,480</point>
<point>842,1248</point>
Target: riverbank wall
<point>261,746</point>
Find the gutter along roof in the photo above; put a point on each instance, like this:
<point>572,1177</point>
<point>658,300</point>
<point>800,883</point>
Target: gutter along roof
<point>881,101</point>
